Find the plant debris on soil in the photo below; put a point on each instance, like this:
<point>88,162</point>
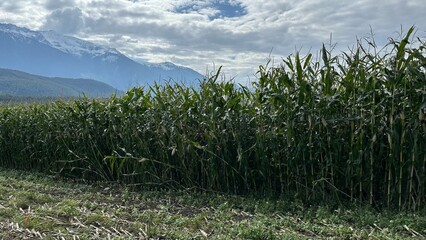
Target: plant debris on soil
<point>35,206</point>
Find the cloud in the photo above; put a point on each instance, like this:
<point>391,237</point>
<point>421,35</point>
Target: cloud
<point>238,34</point>
<point>58,4</point>
<point>66,20</point>
<point>26,13</point>
<point>10,6</point>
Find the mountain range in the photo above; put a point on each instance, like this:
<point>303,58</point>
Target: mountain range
<point>51,54</point>
<point>20,84</point>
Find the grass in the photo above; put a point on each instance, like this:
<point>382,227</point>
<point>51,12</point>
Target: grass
<point>38,206</point>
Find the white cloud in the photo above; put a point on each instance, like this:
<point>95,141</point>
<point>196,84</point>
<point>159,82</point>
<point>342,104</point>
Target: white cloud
<point>26,13</point>
<point>152,30</point>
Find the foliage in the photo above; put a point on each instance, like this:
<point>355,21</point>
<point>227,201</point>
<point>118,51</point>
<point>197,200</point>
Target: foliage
<point>343,128</point>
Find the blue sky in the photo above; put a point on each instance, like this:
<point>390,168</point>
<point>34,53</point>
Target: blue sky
<point>238,34</point>
<point>213,9</point>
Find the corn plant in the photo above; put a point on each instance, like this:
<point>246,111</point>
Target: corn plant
<point>342,128</point>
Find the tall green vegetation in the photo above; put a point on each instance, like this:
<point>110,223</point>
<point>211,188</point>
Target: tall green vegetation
<point>342,128</point>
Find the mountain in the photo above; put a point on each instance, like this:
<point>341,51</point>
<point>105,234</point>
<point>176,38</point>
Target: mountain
<point>21,84</point>
<point>48,53</point>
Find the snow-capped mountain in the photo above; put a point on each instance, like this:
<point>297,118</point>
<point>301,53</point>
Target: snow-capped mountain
<point>76,46</point>
<point>48,53</point>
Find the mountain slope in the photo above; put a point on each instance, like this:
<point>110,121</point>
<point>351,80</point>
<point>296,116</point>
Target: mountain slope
<point>54,55</point>
<point>17,83</point>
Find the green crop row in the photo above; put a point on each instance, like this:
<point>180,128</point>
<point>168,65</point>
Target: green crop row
<point>345,127</point>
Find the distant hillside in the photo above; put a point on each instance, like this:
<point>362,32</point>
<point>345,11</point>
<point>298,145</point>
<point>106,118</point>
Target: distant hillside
<point>21,84</point>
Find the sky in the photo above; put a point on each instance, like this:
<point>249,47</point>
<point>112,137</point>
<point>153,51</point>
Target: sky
<point>239,35</point>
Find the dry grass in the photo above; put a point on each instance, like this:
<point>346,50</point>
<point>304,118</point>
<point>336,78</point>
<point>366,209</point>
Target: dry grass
<point>36,207</point>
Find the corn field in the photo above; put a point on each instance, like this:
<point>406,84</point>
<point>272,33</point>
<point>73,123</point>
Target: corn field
<point>348,127</point>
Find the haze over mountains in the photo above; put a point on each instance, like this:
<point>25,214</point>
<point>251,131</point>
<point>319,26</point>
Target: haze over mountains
<point>50,54</point>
